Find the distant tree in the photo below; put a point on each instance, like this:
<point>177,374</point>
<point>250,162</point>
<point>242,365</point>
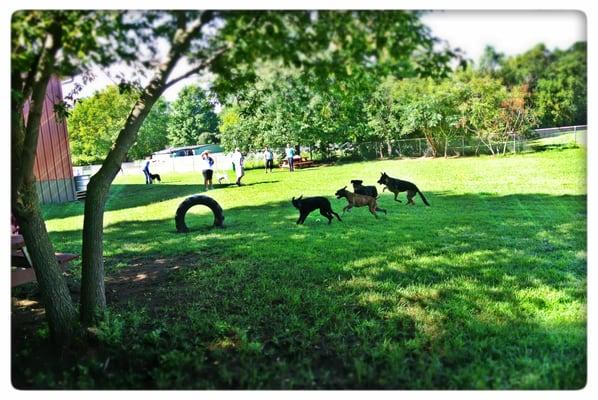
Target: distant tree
<point>153,132</point>
<point>382,113</point>
<point>491,112</point>
<point>94,123</point>
<point>192,114</point>
<point>490,60</point>
<point>526,68</point>
<point>556,80</point>
<point>561,93</point>
<point>419,109</point>
<point>208,138</point>
<point>516,117</point>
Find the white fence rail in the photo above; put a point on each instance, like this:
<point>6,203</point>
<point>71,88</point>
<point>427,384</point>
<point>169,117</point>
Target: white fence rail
<point>222,162</point>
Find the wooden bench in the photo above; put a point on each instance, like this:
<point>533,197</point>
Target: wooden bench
<point>303,163</point>
<point>22,272</point>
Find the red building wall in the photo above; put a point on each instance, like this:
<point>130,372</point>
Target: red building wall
<point>53,168</point>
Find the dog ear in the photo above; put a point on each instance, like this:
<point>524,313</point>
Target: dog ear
<point>293,199</point>
<point>300,197</point>
<point>345,187</point>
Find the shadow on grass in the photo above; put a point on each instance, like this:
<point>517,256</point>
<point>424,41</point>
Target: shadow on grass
<point>477,291</point>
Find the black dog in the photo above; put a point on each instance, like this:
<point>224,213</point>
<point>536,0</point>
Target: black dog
<point>154,177</point>
<point>365,190</point>
<point>397,186</point>
<point>309,204</point>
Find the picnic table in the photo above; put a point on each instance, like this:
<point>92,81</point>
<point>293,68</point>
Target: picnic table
<point>21,266</point>
<point>301,162</point>
<point>16,241</point>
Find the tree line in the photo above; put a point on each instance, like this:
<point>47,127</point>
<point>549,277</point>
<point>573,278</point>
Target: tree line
<point>490,101</point>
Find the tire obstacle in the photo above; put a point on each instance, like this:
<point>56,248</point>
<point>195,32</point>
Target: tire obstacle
<point>195,200</point>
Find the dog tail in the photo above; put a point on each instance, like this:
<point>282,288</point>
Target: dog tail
<point>423,198</point>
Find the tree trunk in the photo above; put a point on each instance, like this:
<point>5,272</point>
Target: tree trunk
<point>431,143</point>
<point>445,146</point>
<point>389,148</point>
<point>489,146</point>
<point>60,311</point>
<point>93,296</point>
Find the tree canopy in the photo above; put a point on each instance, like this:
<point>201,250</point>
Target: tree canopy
<point>192,115</point>
<point>95,121</point>
<point>556,80</point>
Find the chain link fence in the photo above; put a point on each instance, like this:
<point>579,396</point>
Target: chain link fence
<point>539,139</point>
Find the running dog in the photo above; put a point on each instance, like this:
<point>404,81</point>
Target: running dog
<point>397,186</point>
<point>309,204</point>
<point>359,188</point>
<point>358,200</point>
<point>154,177</point>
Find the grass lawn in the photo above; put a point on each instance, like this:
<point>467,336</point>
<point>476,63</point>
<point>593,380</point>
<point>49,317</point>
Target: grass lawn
<point>571,138</point>
<point>484,289</point>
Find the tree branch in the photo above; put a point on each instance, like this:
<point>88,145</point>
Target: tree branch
<point>199,67</point>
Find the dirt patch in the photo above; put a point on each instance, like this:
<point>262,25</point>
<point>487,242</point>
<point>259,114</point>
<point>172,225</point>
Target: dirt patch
<point>140,282</point>
<point>144,278</point>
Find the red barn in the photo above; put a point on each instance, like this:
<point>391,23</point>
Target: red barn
<point>53,168</point>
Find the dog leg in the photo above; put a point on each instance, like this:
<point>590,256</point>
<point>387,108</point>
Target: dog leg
<point>327,215</point>
<point>396,194</point>
<point>301,218</point>
<point>381,209</point>
<point>374,212</point>
<point>410,196</point>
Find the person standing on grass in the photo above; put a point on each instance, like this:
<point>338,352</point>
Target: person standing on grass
<point>290,153</point>
<point>269,157</point>
<point>238,162</point>
<point>146,171</point>
<point>207,170</point>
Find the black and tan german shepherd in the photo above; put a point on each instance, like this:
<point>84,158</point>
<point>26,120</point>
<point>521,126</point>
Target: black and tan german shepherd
<point>397,186</point>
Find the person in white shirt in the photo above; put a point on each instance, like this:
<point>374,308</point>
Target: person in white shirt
<point>238,161</point>
<point>269,158</point>
<point>207,165</point>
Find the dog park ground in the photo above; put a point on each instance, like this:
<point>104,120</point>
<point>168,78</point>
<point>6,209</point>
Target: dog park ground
<point>484,289</point>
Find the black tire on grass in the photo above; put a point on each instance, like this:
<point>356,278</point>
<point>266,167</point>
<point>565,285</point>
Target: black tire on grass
<point>195,200</point>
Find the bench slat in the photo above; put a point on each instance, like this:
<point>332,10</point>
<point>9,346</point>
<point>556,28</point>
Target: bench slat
<point>23,273</point>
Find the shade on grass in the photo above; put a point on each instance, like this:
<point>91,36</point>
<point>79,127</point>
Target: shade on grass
<point>484,289</point>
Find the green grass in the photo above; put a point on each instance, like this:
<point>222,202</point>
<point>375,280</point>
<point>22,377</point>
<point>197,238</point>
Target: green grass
<point>484,289</point>
<point>570,138</point>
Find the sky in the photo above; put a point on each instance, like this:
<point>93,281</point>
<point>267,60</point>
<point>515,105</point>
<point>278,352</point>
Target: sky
<point>510,32</point>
